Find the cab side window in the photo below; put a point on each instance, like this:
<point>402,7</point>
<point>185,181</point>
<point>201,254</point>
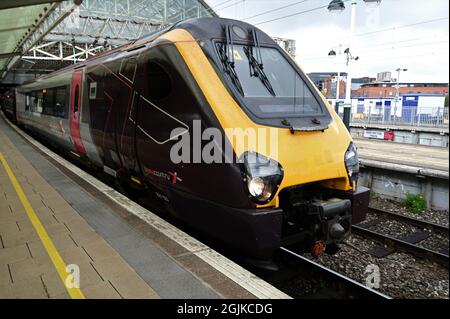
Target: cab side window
<point>160,85</point>
<point>157,105</point>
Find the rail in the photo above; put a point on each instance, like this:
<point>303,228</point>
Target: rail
<point>396,244</point>
<point>437,228</point>
<point>351,287</point>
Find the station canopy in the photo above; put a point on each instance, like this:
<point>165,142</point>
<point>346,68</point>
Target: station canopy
<point>38,37</point>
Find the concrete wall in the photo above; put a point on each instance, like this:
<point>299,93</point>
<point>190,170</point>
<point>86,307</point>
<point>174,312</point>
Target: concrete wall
<point>395,185</point>
<point>409,137</point>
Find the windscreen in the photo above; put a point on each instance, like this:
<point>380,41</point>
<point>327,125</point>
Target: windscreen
<point>280,93</point>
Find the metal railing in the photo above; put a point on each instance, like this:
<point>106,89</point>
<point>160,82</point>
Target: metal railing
<point>437,117</point>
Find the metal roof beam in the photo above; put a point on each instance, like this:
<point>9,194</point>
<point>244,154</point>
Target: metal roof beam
<point>9,55</point>
<point>8,4</point>
<point>54,16</point>
<point>95,23</point>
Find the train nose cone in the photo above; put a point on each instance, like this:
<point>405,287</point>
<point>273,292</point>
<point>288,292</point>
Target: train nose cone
<point>337,231</point>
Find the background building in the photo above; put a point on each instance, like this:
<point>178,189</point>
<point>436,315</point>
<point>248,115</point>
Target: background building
<point>384,77</point>
<point>327,83</point>
<point>383,89</point>
<point>288,45</point>
<point>384,86</point>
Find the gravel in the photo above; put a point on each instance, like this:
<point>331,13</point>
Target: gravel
<point>401,275</point>
<point>394,228</point>
<point>436,242</point>
<point>398,229</point>
<point>430,215</point>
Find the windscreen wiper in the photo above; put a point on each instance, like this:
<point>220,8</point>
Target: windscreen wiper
<point>226,52</point>
<point>256,63</point>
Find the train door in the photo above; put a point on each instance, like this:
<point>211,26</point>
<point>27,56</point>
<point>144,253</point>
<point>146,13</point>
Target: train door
<point>75,110</point>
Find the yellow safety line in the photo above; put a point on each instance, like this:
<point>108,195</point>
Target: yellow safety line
<point>58,262</point>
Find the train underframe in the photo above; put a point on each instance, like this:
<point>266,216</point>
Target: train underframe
<point>312,218</point>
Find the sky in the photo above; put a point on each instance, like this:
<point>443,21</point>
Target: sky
<point>407,34</point>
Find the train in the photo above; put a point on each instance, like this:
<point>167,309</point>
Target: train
<point>133,113</point>
<point>8,103</point>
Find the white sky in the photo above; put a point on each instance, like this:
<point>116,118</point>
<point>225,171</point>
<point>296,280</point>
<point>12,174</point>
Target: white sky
<point>423,49</point>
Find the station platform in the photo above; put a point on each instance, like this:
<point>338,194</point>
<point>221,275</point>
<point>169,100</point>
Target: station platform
<point>393,170</point>
<point>420,158</point>
<point>410,128</point>
<point>65,235</point>
<point>415,135</point>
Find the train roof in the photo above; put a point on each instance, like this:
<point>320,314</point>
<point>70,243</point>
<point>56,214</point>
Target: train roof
<point>205,28</point>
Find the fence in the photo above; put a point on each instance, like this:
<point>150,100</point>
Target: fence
<point>402,116</point>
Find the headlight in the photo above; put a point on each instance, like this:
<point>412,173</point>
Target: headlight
<point>352,163</point>
<point>262,176</point>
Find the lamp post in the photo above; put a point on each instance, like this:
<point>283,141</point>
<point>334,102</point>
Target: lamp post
<point>348,103</point>
<point>332,54</point>
<point>338,6</point>
<point>397,96</point>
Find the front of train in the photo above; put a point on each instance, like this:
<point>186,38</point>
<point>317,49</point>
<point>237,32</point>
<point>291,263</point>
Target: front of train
<point>302,176</point>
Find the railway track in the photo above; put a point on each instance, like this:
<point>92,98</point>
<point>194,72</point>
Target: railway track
<point>406,244</point>
<point>339,284</point>
<point>436,228</point>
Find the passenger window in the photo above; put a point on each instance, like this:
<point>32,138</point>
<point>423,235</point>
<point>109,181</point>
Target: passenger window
<point>60,102</point>
<point>159,83</point>
<point>75,103</point>
<point>48,101</point>
<point>37,101</point>
<point>27,103</point>
<point>93,91</point>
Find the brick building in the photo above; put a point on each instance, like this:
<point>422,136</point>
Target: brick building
<point>327,83</point>
<point>330,87</point>
<point>386,89</point>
